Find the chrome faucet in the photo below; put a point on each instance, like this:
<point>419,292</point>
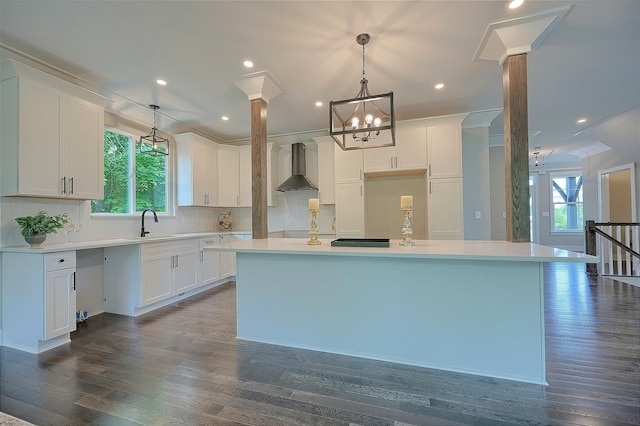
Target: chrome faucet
<point>155,219</point>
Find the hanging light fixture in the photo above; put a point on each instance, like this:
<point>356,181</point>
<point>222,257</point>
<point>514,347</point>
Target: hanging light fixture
<point>366,121</point>
<point>153,143</point>
<point>536,159</point>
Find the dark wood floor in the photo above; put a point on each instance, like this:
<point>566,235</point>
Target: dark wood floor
<point>182,365</point>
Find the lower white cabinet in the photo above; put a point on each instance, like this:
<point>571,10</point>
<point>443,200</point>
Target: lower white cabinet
<point>227,258</point>
<point>350,210</point>
<point>209,261</point>
<point>39,299</point>
<point>137,276</point>
<point>445,214</point>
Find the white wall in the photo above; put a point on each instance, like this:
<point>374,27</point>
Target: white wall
<point>497,193</point>
<point>622,134</point>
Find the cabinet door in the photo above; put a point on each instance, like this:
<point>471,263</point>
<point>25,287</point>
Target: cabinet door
<point>39,140</point>
<point>245,177</point>
<point>444,151</point>
<point>228,178</point>
<point>350,210</point>
<point>210,261</point>
<point>60,303</point>
<point>156,278</point>
<point>445,220</point>
<point>411,149</point>
<point>348,165</point>
<point>379,159</point>
<point>185,266</point>
<point>82,151</point>
<point>227,259</point>
<point>326,171</point>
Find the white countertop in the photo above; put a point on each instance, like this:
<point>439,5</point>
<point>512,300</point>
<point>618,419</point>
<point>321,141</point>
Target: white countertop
<point>85,245</point>
<point>433,249</point>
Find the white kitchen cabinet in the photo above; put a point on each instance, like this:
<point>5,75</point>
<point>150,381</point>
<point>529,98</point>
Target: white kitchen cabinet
<point>350,221</point>
<point>227,258</point>
<point>51,136</point>
<point>409,154</point>
<point>209,261</point>
<point>141,277</point>
<point>348,165</point>
<point>444,151</point>
<point>244,182</point>
<point>445,214</point>
<point>38,299</point>
<point>228,177</point>
<point>326,170</point>
<point>167,269</point>
<point>235,177</point>
<point>197,175</point>
<point>444,177</point>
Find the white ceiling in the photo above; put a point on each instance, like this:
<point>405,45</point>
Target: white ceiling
<point>588,66</point>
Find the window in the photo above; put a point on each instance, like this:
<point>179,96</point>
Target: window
<point>132,181</point>
<point>566,197</point>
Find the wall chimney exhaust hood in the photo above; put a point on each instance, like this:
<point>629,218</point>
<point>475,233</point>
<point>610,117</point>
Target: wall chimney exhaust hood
<point>298,181</point>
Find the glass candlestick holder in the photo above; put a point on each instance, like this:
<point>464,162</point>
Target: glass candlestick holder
<point>313,232</point>
<point>406,228</point>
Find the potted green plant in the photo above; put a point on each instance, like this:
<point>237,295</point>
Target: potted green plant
<point>34,229</point>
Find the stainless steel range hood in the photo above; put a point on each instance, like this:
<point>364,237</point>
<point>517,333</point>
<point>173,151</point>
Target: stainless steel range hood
<point>298,181</point>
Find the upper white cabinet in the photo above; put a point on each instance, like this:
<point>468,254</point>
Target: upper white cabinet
<point>235,177</point>
<point>444,151</point>
<point>409,154</point>
<point>228,177</point>
<point>51,136</point>
<point>197,175</point>
<point>348,165</point>
<point>326,170</point>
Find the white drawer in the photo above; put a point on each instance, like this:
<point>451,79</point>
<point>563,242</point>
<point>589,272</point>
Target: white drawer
<point>59,260</point>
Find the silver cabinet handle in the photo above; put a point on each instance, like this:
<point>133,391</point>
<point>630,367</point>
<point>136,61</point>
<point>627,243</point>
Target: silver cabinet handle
<point>391,161</point>
<point>176,260</point>
<point>64,184</point>
<point>74,281</point>
<point>71,183</point>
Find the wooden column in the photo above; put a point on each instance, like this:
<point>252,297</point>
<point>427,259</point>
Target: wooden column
<point>516,147</point>
<point>259,168</point>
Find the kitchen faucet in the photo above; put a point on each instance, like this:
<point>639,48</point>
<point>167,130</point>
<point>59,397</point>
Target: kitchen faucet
<point>155,219</point>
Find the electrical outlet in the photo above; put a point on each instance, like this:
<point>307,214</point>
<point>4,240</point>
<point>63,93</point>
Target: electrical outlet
<point>478,214</point>
<point>504,215</point>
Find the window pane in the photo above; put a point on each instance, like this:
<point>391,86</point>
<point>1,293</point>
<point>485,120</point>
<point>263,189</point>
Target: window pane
<point>151,181</point>
<point>117,163</point>
<point>567,203</point>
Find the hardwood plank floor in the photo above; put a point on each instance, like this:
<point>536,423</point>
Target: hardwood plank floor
<point>182,365</point>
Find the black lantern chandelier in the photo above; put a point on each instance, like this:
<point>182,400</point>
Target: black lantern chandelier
<point>153,143</point>
<point>366,121</point>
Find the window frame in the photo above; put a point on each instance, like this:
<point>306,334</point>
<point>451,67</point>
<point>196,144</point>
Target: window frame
<point>169,207</point>
<point>552,214</point>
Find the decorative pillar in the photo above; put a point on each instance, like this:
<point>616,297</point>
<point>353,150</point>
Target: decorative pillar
<point>516,148</point>
<point>260,87</point>
<point>508,42</point>
<point>259,190</point>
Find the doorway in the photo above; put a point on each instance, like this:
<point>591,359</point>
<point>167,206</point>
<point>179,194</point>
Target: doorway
<point>617,194</point>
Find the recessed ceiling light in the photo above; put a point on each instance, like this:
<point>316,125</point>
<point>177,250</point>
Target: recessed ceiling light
<point>225,118</point>
<point>161,82</point>
<point>319,103</point>
<point>439,85</point>
<point>582,120</point>
<point>248,64</point>
<point>514,4</point>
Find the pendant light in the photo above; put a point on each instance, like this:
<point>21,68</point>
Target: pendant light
<point>153,143</point>
<point>366,121</point>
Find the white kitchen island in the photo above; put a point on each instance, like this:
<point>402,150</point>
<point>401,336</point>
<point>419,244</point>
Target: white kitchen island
<point>468,306</point>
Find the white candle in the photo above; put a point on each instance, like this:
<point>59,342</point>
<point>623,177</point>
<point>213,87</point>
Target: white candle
<point>314,204</point>
<point>406,202</point>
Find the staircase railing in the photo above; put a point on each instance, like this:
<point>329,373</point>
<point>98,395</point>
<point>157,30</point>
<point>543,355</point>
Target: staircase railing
<point>616,244</point>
